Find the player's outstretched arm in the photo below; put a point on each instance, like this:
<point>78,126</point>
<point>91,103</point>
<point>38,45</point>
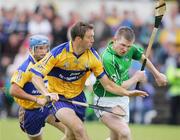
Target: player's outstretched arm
<point>160,78</point>
<point>118,90</point>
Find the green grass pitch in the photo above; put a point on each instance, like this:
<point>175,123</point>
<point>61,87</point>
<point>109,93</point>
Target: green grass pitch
<point>9,130</point>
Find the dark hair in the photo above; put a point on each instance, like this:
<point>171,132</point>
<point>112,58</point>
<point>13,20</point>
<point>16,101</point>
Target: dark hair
<point>125,32</point>
<point>79,29</point>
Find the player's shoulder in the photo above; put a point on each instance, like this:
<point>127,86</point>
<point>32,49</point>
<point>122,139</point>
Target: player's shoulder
<point>94,53</point>
<point>58,49</point>
<point>106,55</point>
<point>136,47</point>
<point>25,65</point>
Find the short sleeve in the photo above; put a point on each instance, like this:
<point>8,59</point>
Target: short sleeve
<point>137,52</point>
<point>97,66</point>
<point>20,78</point>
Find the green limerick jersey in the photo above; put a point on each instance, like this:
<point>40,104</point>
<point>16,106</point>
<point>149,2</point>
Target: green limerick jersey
<point>116,67</point>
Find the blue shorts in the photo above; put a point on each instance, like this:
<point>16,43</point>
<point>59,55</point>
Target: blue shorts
<point>79,110</point>
<point>32,121</point>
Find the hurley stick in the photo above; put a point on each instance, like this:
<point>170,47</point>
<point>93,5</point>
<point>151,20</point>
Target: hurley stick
<point>97,107</point>
<point>159,12</point>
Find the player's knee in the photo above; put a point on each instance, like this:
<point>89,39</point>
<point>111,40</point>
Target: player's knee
<point>68,135</point>
<point>79,130</point>
<point>125,133</point>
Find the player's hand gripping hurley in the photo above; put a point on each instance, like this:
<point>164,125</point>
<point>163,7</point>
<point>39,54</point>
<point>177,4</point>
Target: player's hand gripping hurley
<point>159,12</point>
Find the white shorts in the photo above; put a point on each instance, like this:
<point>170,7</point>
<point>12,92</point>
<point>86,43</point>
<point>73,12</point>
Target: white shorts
<point>112,102</point>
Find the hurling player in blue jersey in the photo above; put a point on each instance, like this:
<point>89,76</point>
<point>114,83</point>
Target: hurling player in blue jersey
<point>32,113</point>
<point>67,67</point>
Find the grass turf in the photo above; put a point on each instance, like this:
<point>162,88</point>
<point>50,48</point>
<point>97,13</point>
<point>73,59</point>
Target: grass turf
<point>9,130</point>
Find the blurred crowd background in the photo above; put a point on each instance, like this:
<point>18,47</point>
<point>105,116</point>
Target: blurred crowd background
<point>19,19</point>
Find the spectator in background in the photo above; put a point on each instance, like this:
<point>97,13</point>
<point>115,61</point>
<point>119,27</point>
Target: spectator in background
<point>171,20</point>
<point>3,39</point>
<point>113,20</point>
<point>102,30</point>
<point>3,109</point>
<point>146,32</point>
<point>59,31</point>
<point>8,18</point>
<point>137,26</point>
<point>127,19</point>
<point>20,25</point>
<point>5,99</point>
<point>18,59</point>
<point>39,25</point>
<point>49,12</point>
<point>74,17</point>
<point>9,69</point>
<point>144,110</point>
<point>12,46</point>
<point>173,75</point>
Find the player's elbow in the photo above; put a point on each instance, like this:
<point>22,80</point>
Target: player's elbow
<point>108,87</point>
<point>124,85</point>
<point>107,84</point>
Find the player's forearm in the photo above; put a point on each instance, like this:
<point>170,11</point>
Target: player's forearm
<point>151,67</point>
<point>130,82</point>
<point>17,92</point>
<point>112,87</point>
<point>118,90</point>
<point>39,84</point>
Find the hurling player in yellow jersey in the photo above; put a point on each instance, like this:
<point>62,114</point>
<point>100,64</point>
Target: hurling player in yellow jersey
<point>32,113</point>
<point>67,67</point>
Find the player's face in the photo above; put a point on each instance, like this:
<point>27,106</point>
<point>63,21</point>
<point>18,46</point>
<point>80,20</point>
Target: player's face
<point>88,39</point>
<point>40,52</point>
<point>122,45</point>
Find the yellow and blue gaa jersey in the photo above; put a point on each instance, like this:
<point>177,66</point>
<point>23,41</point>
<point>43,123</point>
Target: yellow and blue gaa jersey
<point>22,77</point>
<point>66,71</point>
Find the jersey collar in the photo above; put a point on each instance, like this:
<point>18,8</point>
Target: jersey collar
<point>69,47</point>
<point>33,60</point>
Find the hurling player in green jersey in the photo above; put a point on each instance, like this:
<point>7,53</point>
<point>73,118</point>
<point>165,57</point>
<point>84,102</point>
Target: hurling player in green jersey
<point>117,60</point>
